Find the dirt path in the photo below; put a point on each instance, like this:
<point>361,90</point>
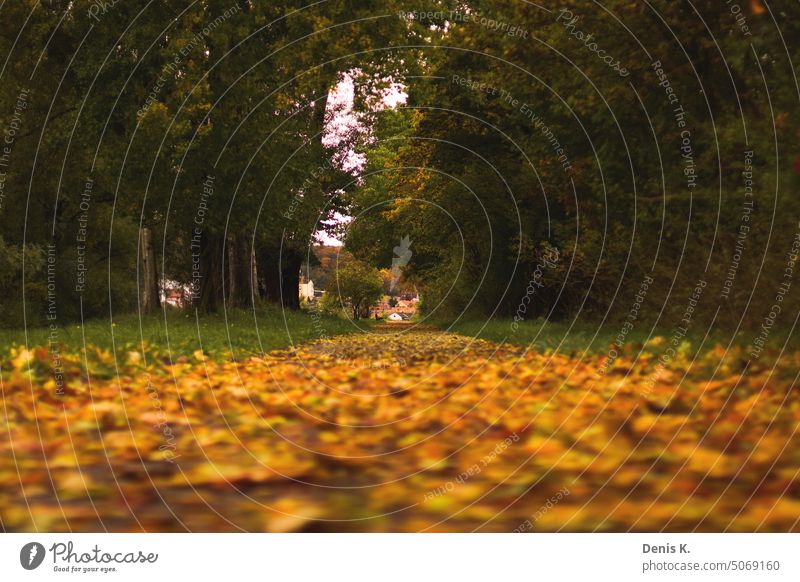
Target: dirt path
<point>403,429</point>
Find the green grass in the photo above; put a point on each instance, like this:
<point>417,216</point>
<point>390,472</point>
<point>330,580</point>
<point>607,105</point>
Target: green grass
<point>557,336</point>
<point>237,333</point>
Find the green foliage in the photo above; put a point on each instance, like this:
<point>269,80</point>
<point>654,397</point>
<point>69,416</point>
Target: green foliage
<point>357,285</point>
<point>144,104</point>
<point>11,282</point>
<point>331,305</point>
<point>511,146</point>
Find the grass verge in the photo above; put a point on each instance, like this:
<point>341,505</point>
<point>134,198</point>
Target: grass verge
<point>593,339</point>
<point>232,334</point>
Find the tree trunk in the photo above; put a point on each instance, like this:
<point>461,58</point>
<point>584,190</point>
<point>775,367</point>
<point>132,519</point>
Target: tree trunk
<point>290,279</point>
<point>280,274</point>
<point>150,297</point>
<point>239,270</point>
<point>318,113</point>
<point>269,275</point>
<point>254,290</point>
<point>211,273</point>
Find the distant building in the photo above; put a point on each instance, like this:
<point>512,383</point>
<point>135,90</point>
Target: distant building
<point>175,294</point>
<point>307,290</point>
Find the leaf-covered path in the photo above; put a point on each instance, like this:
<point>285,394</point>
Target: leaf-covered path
<point>401,429</point>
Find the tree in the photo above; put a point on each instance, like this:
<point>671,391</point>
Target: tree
<point>521,145</point>
<point>357,285</point>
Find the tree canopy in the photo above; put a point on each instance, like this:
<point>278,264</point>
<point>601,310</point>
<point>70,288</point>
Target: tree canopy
<point>667,155</point>
<point>191,142</point>
<point>356,285</point>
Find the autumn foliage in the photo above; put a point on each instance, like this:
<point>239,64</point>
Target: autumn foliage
<point>401,429</point>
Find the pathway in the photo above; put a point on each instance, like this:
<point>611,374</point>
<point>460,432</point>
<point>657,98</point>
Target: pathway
<point>404,429</point>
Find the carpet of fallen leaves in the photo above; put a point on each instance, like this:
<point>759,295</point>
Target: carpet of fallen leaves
<point>400,429</point>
